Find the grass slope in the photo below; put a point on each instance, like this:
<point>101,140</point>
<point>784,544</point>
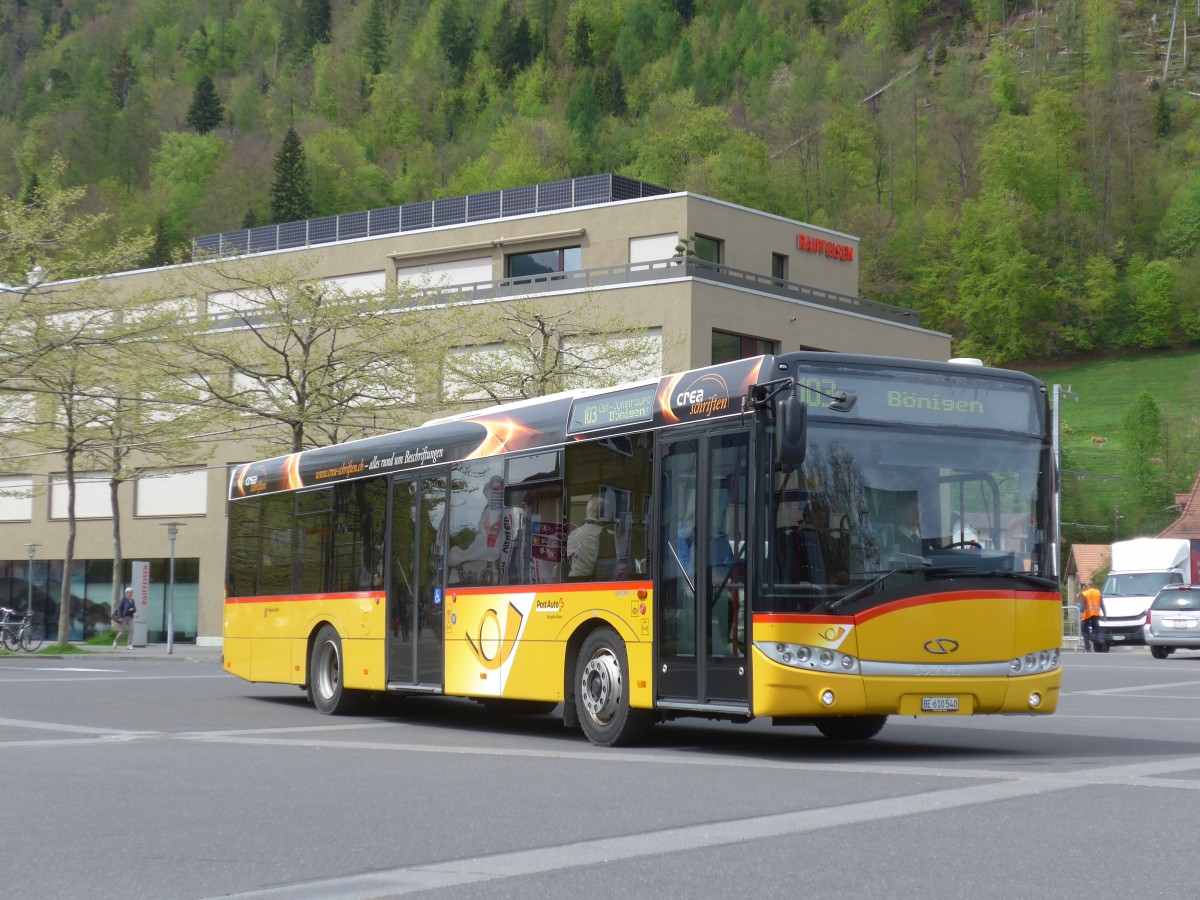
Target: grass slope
<point>1105,389</point>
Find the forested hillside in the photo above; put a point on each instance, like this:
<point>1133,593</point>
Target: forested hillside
<point>1024,175</point>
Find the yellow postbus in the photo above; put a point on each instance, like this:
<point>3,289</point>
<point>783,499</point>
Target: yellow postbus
<point>819,539</point>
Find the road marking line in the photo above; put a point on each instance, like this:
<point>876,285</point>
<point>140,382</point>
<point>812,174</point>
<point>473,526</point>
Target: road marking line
<point>1140,687</point>
<point>543,860</point>
<point>73,729</point>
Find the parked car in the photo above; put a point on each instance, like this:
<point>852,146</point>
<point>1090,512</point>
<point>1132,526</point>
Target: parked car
<point>1173,620</point>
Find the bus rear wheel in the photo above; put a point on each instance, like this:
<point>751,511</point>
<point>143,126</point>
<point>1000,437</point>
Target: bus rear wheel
<point>326,689</point>
<point>601,694</point>
<point>851,728</point>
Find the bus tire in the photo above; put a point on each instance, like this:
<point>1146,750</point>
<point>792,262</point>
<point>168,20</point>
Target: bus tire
<point>601,695</point>
<point>326,688</point>
<point>851,728</point>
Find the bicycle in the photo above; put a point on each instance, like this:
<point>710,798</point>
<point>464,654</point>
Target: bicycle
<point>20,631</point>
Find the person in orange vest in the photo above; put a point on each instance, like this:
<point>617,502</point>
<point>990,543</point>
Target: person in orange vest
<point>1090,611</point>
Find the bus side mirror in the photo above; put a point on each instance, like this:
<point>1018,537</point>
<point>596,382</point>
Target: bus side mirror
<point>791,428</point>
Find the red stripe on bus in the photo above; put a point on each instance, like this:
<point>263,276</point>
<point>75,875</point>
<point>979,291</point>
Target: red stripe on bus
<point>296,598</point>
<point>906,603</point>
<point>552,588</point>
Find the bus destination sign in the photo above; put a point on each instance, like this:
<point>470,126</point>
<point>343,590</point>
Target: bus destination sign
<point>922,399</point>
<point>628,407</point>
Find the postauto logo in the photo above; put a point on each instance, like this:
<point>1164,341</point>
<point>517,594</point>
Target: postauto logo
<point>942,646</point>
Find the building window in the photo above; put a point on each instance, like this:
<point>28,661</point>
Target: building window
<point>92,498</point>
<point>727,347</point>
<point>16,498</point>
<point>172,493</point>
<point>779,266</point>
<point>707,249</point>
<point>543,262</point>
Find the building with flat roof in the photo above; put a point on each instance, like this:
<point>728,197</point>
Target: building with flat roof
<point>706,281</point>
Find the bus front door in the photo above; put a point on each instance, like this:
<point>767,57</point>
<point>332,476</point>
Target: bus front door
<point>415,611</point>
<point>701,608</point>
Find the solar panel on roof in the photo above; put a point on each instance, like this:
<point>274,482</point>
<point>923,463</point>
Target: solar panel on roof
<point>384,221</point>
<point>292,234</point>
<point>351,226</point>
<point>586,190</point>
<point>416,215</point>
<point>518,201</point>
<point>483,206</point>
<point>450,211</point>
<point>323,230</point>
<point>263,238</point>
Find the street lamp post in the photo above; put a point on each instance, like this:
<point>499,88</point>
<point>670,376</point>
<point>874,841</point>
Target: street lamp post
<point>172,533</point>
<point>31,549</point>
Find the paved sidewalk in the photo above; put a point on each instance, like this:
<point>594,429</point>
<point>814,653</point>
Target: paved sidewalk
<point>187,652</point>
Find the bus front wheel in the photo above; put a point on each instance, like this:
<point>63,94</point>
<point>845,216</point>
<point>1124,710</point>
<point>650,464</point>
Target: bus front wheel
<point>325,684</point>
<point>601,692</point>
<point>851,728</point>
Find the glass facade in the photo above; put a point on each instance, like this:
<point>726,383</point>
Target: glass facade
<point>91,595</point>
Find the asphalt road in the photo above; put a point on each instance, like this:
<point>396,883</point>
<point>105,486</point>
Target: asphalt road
<point>163,777</point>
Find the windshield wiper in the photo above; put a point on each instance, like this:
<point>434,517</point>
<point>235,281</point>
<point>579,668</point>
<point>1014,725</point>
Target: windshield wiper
<point>870,587</point>
<point>933,572</point>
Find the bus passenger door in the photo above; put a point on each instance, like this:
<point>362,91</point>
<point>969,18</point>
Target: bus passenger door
<point>701,596</point>
<point>415,612</point>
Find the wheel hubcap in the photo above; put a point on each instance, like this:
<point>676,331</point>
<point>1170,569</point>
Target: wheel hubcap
<point>602,688</point>
<point>327,671</point>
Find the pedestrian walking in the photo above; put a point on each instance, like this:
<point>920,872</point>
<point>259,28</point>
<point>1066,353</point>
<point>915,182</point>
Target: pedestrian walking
<point>123,619</point>
<point>1090,611</point>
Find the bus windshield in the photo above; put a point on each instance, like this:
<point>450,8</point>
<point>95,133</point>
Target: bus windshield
<point>871,500</point>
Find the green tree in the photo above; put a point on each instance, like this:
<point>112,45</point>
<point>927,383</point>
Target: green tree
<point>1162,115</point>
<point>182,175</point>
<point>291,190</point>
<point>1143,474</point>
<point>58,236</point>
<point>122,77</point>
<point>456,36</point>
<point>1158,319</point>
<point>206,111</point>
<point>303,361</point>
<point>519,350</point>
<point>610,90</point>
<point>579,46</point>
<point>1179,232</point>
<point>511,48</point>
<point>375,38</point>
<point>316,23</point>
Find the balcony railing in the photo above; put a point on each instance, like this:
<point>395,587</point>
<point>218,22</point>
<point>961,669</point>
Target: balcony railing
<point>662,270</point>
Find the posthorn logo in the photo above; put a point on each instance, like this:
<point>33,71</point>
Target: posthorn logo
<point>941,646</point>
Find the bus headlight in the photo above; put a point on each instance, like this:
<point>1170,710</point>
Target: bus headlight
<point>1035,663</point>
<point>816,659</point>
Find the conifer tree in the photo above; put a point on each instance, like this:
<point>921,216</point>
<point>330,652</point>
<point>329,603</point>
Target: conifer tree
<point>291,191</point>
<point>1162,115</point>
<point>456,34</point>
<point>316,23</point>
<point>375,38</point>
<point>31,195</point>
<point>512,42</point>
<point>206,111</point>
<point>122,77</point>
